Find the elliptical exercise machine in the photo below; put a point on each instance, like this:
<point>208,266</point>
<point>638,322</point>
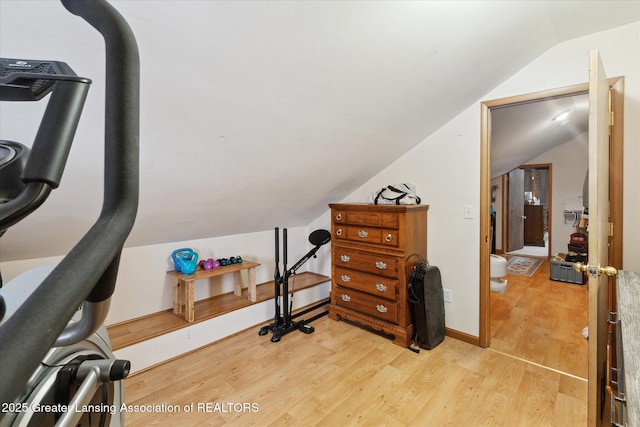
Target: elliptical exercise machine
<point>56,363</point>
<point>283,322</point>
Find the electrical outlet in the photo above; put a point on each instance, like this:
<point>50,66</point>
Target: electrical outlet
<point>447,295</point>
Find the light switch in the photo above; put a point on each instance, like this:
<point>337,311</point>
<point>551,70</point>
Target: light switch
<point>468,212</point>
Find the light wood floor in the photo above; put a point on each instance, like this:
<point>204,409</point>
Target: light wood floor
<point>342,375</point>
<point>541,320</point>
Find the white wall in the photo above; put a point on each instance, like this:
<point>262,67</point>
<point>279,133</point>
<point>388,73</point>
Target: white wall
<point>445,167</point>
<point>570,161</point>
<point>143,286</point>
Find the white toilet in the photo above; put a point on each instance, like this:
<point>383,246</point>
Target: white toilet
<point>498,269</point>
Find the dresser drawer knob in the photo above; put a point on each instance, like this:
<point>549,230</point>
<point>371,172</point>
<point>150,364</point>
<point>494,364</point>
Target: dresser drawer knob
<point>345,278</point>
<point>381,287</point>
<point>346,298</point>
<point>388,237</point>
<point>344,258</point>
<point>381,265</point>
<point>363,234</point>
<point>339,217</point>
<point>339,232</point>
<point>381,308</point>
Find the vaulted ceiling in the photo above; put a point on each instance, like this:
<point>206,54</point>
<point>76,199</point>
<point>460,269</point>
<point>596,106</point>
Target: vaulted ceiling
<point>260,113</point>
<point>523,131</point>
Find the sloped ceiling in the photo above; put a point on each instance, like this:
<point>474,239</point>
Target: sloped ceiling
<point>523,131</point>
<point>257,114</point>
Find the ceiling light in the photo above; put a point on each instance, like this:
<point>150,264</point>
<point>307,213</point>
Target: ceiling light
<point>562,116</point>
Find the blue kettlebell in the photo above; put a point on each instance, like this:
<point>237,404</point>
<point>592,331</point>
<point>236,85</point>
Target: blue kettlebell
<point>188,262</point>
<point>175,256</point>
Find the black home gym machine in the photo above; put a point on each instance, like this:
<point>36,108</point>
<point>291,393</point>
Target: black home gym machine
<point>283,322</point>
<point>56,363</point>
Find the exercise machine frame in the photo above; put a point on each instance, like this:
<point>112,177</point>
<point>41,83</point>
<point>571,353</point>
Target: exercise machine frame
<point>283,322</point>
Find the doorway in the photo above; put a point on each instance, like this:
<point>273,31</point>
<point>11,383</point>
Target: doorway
<point>605,155</point>
<point>529,210</point>
<point>529,320</point>
<point>490,171</point>
<point>488,108</point>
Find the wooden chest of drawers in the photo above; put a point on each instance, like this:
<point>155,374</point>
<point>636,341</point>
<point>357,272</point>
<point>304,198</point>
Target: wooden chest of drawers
<point>373,250</point>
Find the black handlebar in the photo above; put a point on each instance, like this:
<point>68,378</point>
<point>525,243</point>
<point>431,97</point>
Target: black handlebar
<point>89,271</point>
<point>47,160</point>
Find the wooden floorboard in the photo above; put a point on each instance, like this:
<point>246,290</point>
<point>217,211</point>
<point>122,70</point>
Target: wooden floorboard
<point>137,330</point>
<point>343,375</point>
<point>541,320</point>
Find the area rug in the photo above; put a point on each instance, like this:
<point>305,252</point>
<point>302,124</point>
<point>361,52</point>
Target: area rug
<point>523,266</point>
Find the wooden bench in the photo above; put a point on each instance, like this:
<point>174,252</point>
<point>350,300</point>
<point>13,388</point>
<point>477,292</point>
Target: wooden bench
<point>183,285</point>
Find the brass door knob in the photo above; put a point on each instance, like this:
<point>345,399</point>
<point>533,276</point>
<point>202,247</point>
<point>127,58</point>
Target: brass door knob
<point>595,271</point>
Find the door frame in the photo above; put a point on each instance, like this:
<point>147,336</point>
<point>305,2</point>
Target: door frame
<point>616,85</point>
<point>514,237</point>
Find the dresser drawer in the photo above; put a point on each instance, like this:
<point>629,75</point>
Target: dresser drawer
<point>378,236</point>
<point>366,262</point>
<point>374,285</point>
<point>364,303</point>
<point>370,219</point>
